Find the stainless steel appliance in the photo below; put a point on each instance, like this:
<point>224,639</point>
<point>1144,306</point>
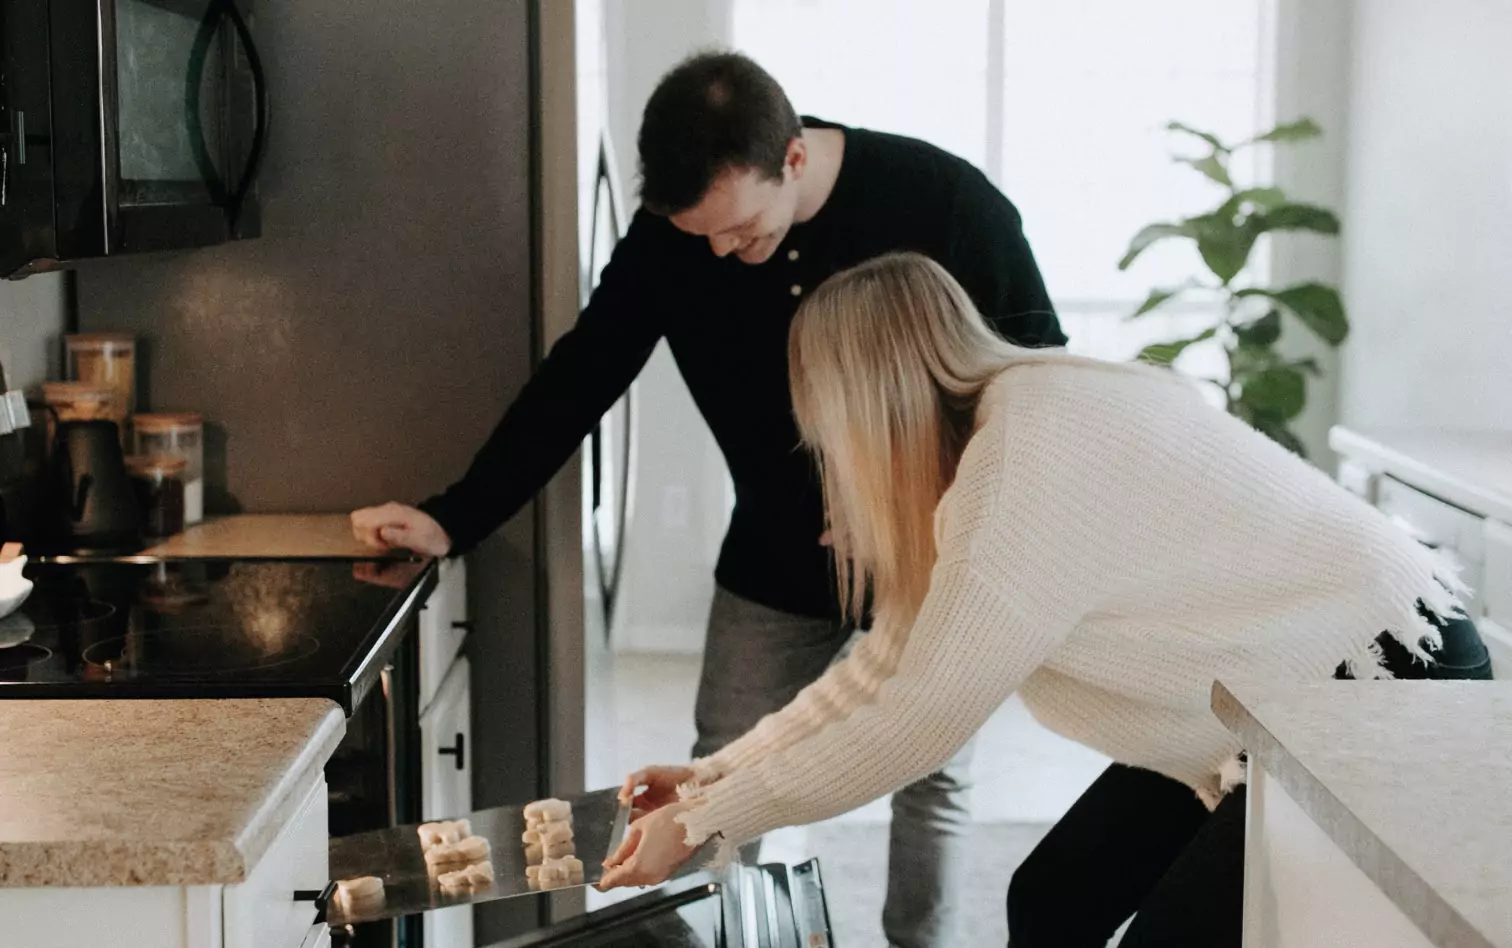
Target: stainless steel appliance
<point>126,126</point>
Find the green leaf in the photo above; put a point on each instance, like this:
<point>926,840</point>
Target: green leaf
<point>1297,217</point>
<point>1212,167</point>
<point>1149,235</point>
<point>1164,353</point>
<point>1279,393</point>
<point>1159,297</point>
<point>1251,199</point>
<point>1224,245</point>
<point>1279,433</point>
<point>1261,332</point>
<point>1318,306</point>
<point>1208,137</point>
<point>1297,131</point>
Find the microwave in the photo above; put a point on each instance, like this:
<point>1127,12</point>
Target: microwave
<point>126,126</point>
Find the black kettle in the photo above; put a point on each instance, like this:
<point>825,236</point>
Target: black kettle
<point>95,509</point>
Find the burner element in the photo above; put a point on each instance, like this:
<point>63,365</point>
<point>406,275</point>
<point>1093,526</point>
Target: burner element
<point>20,656</point>
<point>191,653</point>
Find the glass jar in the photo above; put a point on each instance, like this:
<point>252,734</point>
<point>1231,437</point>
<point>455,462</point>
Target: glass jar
<point>179,435</point>
<point>81,401</point>
<point>104,358</point>
<point>159,484</point>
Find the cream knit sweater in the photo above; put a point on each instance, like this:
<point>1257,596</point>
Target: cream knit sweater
<point>1111,545</point>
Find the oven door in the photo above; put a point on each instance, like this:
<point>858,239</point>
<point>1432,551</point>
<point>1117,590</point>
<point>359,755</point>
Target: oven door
<point>159,115</point>
<point>768,906</point>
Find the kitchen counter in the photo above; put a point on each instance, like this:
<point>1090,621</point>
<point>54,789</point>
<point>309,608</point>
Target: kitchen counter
<point>153,792</point>
<point>1409,780</point>
<point>1470,469</point>
<point>268,536</point>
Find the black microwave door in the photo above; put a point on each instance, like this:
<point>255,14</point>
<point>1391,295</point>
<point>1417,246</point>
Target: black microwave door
<point>26,138</point>
<point>190,122</point>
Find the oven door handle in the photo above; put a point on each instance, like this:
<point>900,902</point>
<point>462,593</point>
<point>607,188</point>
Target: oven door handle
<point>321,898</point>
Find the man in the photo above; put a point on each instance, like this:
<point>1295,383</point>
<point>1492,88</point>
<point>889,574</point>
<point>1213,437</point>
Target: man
<point>745,208</point>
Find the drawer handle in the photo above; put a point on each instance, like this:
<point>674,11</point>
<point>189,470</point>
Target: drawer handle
<point>321,898</point>
<point>464,625</point>
<point>459,749</point>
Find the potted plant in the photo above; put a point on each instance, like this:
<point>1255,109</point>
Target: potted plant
<point>1263,387</point>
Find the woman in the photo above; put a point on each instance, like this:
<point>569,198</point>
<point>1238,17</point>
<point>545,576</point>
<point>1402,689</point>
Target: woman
<point>1092,536</point>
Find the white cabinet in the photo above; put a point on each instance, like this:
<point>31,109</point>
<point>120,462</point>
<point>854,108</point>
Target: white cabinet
<point>446,785</point>
<point>1302,891</point>
<point>443,627</point>
<point>262,912</point>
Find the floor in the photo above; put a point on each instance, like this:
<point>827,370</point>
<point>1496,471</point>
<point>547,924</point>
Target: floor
<point>640,711</point>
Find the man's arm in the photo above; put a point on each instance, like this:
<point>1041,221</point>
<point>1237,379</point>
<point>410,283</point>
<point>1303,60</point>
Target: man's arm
<point>988,253</point>
<point>587,370</point>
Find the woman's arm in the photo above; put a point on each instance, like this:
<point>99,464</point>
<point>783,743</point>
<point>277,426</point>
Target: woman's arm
<point>969,650</point>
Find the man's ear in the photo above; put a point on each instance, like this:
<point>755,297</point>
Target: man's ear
<point>797,158</point>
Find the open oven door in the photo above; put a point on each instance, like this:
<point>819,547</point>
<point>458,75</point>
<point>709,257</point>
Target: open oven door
<point>770,906</point>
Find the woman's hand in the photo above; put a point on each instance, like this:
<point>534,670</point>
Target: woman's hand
<point>652,851</point>
<point>651,788</point>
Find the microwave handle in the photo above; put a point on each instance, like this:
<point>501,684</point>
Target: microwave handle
<point>209,25</point>
<point>260,119</point>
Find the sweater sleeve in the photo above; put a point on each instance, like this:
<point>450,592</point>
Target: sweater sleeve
<point>843,688</point>
<point>970,647</point>
<point>586,371</point>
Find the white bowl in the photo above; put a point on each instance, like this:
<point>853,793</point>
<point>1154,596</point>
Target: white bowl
<point>14,588</point>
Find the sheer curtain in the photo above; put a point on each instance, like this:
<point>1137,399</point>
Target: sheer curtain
<point>1063,104</point>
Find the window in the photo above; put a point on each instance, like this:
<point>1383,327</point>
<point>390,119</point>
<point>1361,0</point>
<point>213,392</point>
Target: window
<point>1063,104</point>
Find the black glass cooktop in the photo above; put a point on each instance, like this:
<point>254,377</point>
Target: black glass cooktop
<point>208,628</point>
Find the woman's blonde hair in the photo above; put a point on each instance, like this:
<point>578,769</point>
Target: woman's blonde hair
<point>887,362</point>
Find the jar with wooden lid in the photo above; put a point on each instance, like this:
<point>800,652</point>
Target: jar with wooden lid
<point>159,484</point>
<point>180,435</point>
<point>81,401</point>
<point>104,358</point>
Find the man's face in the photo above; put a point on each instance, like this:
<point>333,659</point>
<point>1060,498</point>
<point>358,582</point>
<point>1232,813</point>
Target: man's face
<point>745,212</point>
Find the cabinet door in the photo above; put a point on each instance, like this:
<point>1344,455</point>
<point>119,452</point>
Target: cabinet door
<point>443,626</point>
<point>262,912</point>
<point>446,786</point>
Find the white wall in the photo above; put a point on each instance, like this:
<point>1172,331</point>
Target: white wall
<point>31,322</point>
<point>1428,215</point>
<point>679,500</point>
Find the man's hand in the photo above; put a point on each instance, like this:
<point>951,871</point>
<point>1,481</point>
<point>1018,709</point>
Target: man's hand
<point>653,849</point>
<point>651,788</point>
<point>396,526</point>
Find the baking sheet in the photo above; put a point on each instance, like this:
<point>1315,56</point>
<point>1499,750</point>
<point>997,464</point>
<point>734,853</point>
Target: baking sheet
<point>394,855</point>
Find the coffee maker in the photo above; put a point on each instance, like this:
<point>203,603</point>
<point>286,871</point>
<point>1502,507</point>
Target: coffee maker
<point>94,508</point>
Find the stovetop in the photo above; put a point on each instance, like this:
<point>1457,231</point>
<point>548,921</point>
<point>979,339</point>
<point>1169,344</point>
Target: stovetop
<point>208,628</point>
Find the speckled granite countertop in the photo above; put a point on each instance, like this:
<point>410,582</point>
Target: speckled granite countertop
<point>146,792</point>
<point>1411,780</point>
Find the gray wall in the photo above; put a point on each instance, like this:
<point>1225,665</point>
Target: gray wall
<point>1428,222</point>
<point>364,347</point>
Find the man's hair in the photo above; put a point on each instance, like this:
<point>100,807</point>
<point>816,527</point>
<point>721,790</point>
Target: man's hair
<point>713,112</point>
